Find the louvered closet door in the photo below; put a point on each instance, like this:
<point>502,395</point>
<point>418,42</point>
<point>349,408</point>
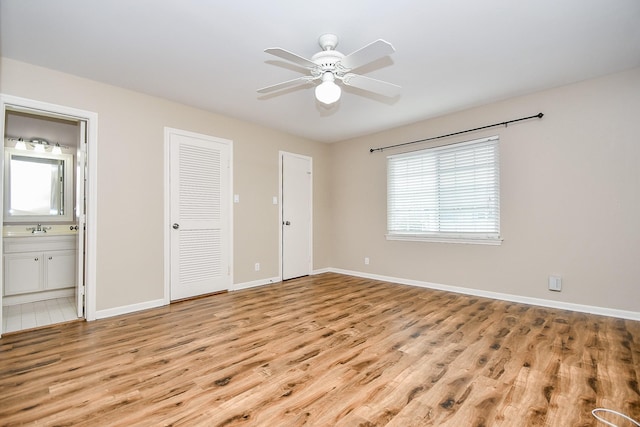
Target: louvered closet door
<point>200,214</point>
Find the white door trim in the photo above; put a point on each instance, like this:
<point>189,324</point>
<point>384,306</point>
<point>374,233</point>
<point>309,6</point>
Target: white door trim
<point>81,170</point>
<point>167,205</point>
<point>45,108</point>
<point>281,155</point>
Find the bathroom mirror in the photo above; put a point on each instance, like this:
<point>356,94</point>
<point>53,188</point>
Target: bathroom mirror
<point>38,187</point>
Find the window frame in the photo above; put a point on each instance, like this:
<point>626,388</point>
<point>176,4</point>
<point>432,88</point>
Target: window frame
<point>435,233</point>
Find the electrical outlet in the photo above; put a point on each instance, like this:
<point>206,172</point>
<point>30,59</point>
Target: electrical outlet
<point>257,266</point>
<point>366,260</point>
<point>555,283</point>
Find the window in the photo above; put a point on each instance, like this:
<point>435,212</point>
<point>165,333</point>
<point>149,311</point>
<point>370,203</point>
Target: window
<point>446,194</point>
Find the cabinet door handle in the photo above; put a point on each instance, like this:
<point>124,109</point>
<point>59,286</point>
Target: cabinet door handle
<point>36,259</point>
<point>50,258</point>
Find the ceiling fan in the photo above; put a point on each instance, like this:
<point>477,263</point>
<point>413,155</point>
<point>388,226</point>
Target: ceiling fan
<point>330,66</point>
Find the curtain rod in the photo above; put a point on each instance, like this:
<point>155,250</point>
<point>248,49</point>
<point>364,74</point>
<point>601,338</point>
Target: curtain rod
<point>539,116</point>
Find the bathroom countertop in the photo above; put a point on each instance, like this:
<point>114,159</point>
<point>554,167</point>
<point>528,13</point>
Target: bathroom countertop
<point>21,231</point>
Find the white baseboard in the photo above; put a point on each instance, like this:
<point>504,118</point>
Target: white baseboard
<point>255,283</point>
<point>126,309</point>
<point>117,311</point>
<point>603,311</point>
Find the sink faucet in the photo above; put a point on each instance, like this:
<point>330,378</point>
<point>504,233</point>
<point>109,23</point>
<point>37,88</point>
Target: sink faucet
<point>38,229</point>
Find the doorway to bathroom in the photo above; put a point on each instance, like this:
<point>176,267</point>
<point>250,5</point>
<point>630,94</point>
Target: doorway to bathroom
<point>48,205</point>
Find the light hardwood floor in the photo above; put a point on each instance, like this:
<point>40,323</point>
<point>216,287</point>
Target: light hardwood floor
<point>327,350</point>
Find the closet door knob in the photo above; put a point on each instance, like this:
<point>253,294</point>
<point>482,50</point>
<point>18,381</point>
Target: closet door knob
<point>176,226</point>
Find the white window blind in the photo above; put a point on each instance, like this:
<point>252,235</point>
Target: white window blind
<point>449,193</point>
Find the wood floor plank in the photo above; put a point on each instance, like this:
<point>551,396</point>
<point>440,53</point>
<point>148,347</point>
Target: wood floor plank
<point>325,350</point>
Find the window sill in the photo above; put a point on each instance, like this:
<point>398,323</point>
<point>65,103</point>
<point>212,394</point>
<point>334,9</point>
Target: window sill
<point>437,239</point>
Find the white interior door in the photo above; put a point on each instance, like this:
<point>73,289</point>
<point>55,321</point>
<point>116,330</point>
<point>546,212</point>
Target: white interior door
<point>81,167</point>
<point>200,214</point>
<point>296,215</point>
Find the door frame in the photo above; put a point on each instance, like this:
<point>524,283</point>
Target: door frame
<point>168,131</point>
<point>281,155</point>
<point>91,189</point>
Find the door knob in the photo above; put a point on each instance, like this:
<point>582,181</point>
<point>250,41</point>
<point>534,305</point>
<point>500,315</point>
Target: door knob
<point>176,226</point>
<point>287,222</point>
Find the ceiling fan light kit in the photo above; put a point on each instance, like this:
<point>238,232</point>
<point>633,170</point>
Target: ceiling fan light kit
<point>328,92</point>
<point>330,66</point>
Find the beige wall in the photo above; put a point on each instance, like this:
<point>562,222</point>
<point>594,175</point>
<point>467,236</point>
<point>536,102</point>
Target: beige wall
<point>130,181</point>
<point>555,173</point>
<point>570,199</point>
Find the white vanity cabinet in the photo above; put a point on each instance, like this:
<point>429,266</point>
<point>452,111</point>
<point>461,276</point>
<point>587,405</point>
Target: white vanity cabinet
<point>40,263</point>
<point>59,269</point>
<point>22,273</point>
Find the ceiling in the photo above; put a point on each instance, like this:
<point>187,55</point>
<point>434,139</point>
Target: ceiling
<point>450,55</point>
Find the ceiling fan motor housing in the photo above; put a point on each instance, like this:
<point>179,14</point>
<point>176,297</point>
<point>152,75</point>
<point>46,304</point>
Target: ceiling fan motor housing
<point>328,60</point>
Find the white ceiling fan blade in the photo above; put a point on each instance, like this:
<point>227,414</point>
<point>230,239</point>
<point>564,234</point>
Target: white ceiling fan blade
<point>288,83</point>
<point>371,85</point>
<point>375,50</point>
<point>290,56</point>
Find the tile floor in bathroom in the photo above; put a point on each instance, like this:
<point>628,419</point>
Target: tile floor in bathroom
<point>36,314</point>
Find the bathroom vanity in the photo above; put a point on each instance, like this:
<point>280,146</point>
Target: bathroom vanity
<point>39,239</point>
<point>39,263</point>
